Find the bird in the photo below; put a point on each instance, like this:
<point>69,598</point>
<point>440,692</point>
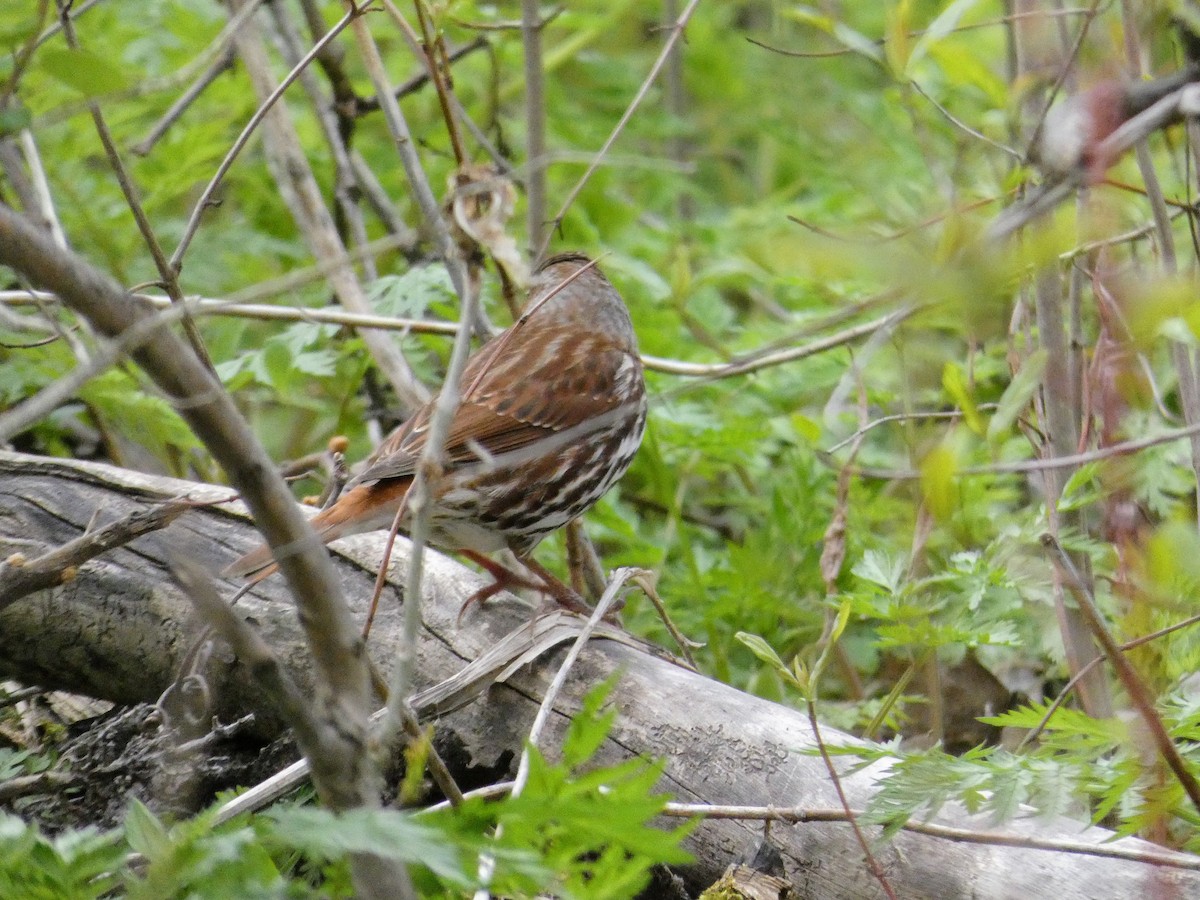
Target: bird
<point>1074,130</point>
<point>552,412</point>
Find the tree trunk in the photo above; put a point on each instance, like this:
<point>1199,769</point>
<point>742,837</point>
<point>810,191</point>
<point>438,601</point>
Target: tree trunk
<point>120,630</point>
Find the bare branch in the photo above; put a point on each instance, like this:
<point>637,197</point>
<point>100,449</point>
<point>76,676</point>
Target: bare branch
<point>249,647</point>
<point>43,201</point>
<point>535,122</point>
<point>20,577</point>
<point>428,466</point>
<point>1039,465</point>
<point>206,196</point>
<point>208,306</point>
<point>1139,693</point>
<point>1181,103</point>
<point>294,175</point>
<point>747,363</point>
<point>414,84</point>
<point>800,815</point>
<point>215,69</point>
<point>487,862</point>
<point>344,776</point>
<point>676,33</point>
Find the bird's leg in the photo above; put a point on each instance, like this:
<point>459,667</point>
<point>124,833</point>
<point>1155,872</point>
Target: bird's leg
<point>564,595</point>
<point>506,578</point>
<point>503,577</point>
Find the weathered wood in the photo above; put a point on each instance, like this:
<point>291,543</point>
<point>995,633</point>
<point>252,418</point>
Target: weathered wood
<point>120,629</point>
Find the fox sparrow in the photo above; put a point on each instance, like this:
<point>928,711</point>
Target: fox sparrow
<point>552,412</point>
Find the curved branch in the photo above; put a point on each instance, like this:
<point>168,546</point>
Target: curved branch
<point>342,771</point>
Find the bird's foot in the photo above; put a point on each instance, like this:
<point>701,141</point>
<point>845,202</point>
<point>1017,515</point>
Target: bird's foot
<point>562,595</point>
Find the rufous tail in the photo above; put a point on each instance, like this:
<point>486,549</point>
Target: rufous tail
<point>357,506</point>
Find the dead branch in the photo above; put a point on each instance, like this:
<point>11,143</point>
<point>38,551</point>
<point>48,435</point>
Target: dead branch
<point>343,773</point>
<point>20,576</point>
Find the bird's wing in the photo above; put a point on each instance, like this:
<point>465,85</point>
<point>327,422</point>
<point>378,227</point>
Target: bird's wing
<point>521,391</point>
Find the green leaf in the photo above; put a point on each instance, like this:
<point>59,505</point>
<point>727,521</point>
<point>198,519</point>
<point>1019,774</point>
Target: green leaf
<point>882,569</point>
<point>1082,489</point>
<point>411,295</point>
<point>938,481</point>
<point>591,726</point>
<point>277,363</point>
<point>13,119</point>
<point>840,31</point>
<point>762,650</point>
<point>145,833</point>
<point>1017,395</point>
<point>943,24</point>
<point>142,416</point>
<point>898,48</point>
<point>87,72</point>
<point>382,832</point>
<point>954,380</point>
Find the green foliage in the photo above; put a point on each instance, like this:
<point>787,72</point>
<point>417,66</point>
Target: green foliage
<point>192,859</point>
<point>971,602</point>
<point>22,762</point>
<point>999,783</point>
<point>589,826</point>
<point>78,865</point>
<point>579,830</point>
<point>790,197</point>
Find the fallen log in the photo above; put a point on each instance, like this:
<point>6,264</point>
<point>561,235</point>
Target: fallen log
<point>118,628</point>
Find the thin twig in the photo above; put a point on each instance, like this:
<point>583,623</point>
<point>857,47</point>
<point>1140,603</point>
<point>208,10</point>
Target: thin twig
<point>1182,354</point>
<point>487,862</point>
<point>168,274</point>
<point>419,494</point>
<point>1058,701</point>
<point>41,187</point>
<point>221,53</point>
<point>175,111</point>
<point>12,167</point>
<point>535,122</point>
<point>685,644</point>
<point>755,362</point>
<point>33,409</point>
<point>1039,465</point>
<point>517,648</point>
<point>1139,694</point>
<point>344,777</point>
<point>206,196</point>
<point>1185,101</point>
<point>750,362</point>
<point>20,577</point>
<point>208,306</point>
<point>676,33</point>
<point>301,191</point>
<point>872,863</point>
<point>799,815</point>
<point>351,223</point>
<point>431,45</point>
<point>22,55</point>
<point>418,81</point>
<point>619,577</point>
<point>1066,68</point>
<point>902,417</point>
<point>76,13</point>
<point>963,126</point>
